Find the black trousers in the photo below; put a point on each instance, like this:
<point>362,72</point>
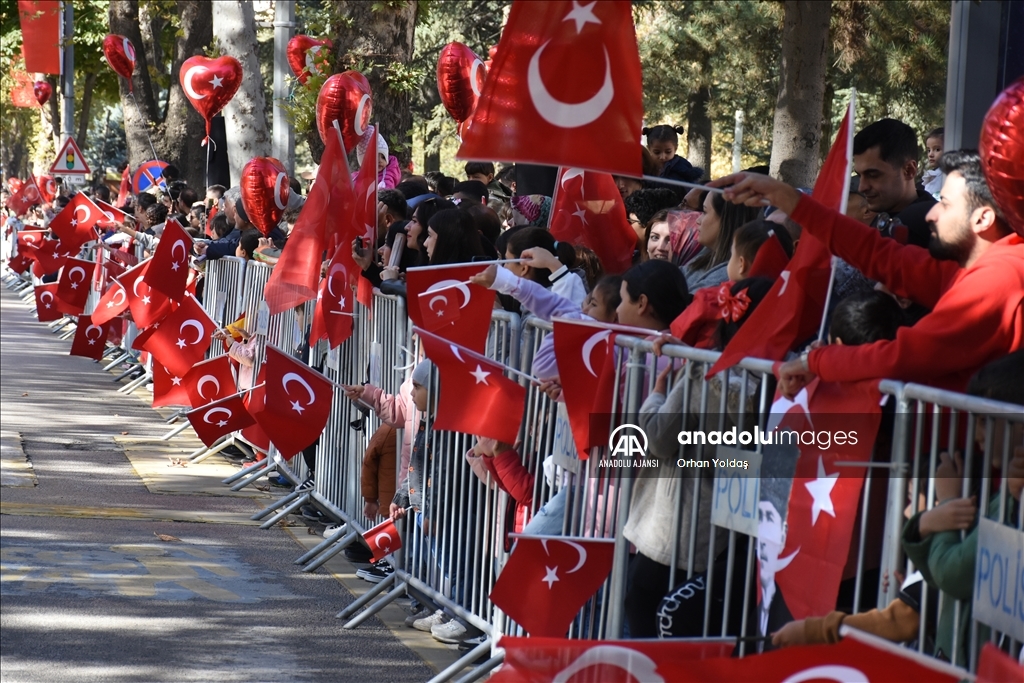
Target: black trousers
<point>646,585</point>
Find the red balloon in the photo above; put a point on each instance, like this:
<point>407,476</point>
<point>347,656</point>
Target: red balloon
<point>306,57</point>
<point>209,84</point>
<point>345,98</point>
<point>120,54</point>
<point>460,79</point>
<point>42,91</point>
<point>265,192</point>
<point>1002,153</point>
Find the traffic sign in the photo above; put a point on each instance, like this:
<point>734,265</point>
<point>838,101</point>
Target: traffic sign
<point>69,161</point>
<point>149,174</point>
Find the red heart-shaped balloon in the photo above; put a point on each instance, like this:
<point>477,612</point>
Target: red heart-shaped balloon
<point>306,56</point>
<point>345,98</point>
<point>120,54</point>
<point>460,80</point>
<point>265,192</point>
<point>1002,153</point>
<point>209,84</point>
<point>42,91</point>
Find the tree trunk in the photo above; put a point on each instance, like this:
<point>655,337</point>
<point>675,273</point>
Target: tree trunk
<point>245,116</point>
<point>698,130</point>
<point>379,35</point>
<point>796,133</point>
<point>83,115</point>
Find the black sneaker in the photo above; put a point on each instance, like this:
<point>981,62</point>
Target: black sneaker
<point>311,513</point>
<point>376,573</point>
<point>307,485</point>
<point>357,552</point>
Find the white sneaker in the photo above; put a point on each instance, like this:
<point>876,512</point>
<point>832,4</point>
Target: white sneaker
<point>422,613</point>
<point>332,530</point>
<point>451,632</point>
<point>428,623</point>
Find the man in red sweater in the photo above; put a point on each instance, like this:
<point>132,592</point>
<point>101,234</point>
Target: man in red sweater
<point>971,276</point>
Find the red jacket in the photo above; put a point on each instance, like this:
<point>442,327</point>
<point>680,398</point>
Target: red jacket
<point>697,324</point>
<point>977,313</point>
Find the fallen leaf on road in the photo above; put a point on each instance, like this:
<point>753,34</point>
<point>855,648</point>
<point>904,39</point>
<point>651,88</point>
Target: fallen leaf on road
<point>25,394</point>
<point>166,537</point>
<point>124,433</point>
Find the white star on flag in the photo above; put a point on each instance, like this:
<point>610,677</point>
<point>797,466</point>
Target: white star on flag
<point>74,222</point>
<point>216,82</point>
<point>110,304</point>
<point>180,343</point>
<point>175,265</point>
<point>297,407</point>
<point>582,15</point>
<point>91,342</point>
<point>146,300</point>
<point>821,491</point>
<point>480,374</point>
<point>176,381</point>
<point>74,285</point>
<point>222,423</point>
<point>581,214</point>
<point>551,576</point>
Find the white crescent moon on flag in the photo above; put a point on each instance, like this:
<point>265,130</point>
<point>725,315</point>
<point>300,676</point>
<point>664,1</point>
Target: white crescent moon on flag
<point>477,65</point>
<point>129,50</point>
<point>454,284</point>
<point>439,297</point>
<point>196,325</point>
<point>455,351</point>
<point>588,348</point>
<point>357,123</point>
<point>562,114</point>
<point>119,293</point>
<point>184,250</point>
<point>635,665</point>
<point>135,285</point>
<point>43,296</point>
<point>88,212</point>
<point>213,411</point>
<point>281,180</point>
<point>187,84</point>
<point>575,546</point>
<point>294,377</point>
<point>203,380</point>
<point>382,534</point>
<point>571,173</point>
<point>79,269</point>
<point>330,277</point>
<point>30,238</point>
<point>829,672</point>
<point>91,328</point>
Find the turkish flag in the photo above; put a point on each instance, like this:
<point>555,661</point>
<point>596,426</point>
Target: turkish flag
<point>147,305</point>
<point>41,35</point>
<point>437,309</point>
<point>791,311</point>
<point>19,264</point>
<point>46,253</point>
<point>697,324</point>
<point>76,223</point>
<point>824,497</point>
<point>209,381</point>
<point>46,303</point>
<point>587,209</point>
<point>24,197</point>
<point>255,403</point>
<point>475,396</point>
<point>113,303</point>
<point>332,317</point>
<point>564,89</point>
<point>298,403</point>
<point>125,188</point>
<point>47,187</point>
<point>586,353</point>
<point>546,581</point>
<point>168,269</point>
<point>995,666</point>
<point>383,540</point>
<point>27,239</point>
<point>73,285</point>
<point>771,258</point>
<point>182,338</point>
<point>168,388</point>
<point>365,195</point>
<point>475,302</point>
<point>327,210</point>
<point>544,660</point>
<point>90,339</point>
<point>214,420</point>
<point>111,215</point>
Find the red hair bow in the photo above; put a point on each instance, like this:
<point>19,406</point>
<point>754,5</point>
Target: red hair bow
<point>733,305</point>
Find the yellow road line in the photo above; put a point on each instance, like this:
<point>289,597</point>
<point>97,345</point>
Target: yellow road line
<point>150,514</point>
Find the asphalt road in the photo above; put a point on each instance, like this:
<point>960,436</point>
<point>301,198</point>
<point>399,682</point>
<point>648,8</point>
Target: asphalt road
<point>105,599</point>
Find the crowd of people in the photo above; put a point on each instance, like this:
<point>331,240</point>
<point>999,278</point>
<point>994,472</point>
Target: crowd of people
<point>929,288</point>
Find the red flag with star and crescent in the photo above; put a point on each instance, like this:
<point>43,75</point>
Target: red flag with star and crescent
<point>147,305</point>
<point>168,388</point>
<point>824,497</point>
<point>182,338</point>
<point>209,381</point>
<point>90,339</point>
<point>383,540</point>
<point>168,269</point>
<point>47,187</point>
<point>47,253</point>
<point>587,209</point>
<point>76,223</point>
<point>469,327</point>
<point>564,89</point>
<point>111,215</point>
<point>46,303</point>
<point>222,417</point>
<point>73,285</point>
<point>475,397</point>
<point>297,403</point>
<point>113,303</point>
<point>365,192</point>
<point>585,352</point>
<point>791,311</point>
<point>23,197</point>
<point>333,315</point>
<point>546,581</point>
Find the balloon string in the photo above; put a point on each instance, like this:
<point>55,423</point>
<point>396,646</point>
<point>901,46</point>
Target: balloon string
<point>145,128</point>
<point>208,141</point>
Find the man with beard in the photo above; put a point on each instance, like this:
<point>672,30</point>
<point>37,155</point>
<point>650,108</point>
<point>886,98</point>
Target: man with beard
<point>971,276</point>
